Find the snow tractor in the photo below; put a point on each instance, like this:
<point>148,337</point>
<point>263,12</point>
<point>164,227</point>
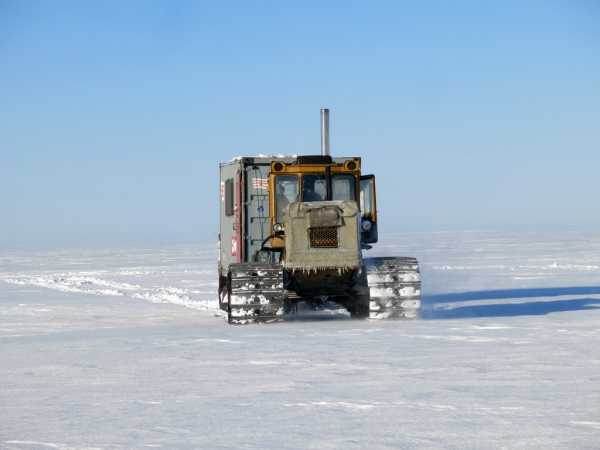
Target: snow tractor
<point>293,229</point>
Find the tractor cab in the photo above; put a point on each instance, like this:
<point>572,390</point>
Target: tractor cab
<point>320,179</point>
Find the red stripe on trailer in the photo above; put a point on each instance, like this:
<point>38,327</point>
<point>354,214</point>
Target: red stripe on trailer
<point>236,239</point>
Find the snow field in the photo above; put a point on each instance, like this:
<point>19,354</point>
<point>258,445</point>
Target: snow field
<point>121,349</point>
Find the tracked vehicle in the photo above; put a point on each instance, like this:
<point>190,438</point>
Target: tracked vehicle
<point>293,229</point>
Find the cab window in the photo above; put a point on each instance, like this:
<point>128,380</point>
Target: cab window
<point>366,197</point>
<point>286,192</point>
<point>314,188</point>
<point>343,187</point>
<point>229,197</point>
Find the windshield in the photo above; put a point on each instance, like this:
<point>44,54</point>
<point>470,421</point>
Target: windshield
<point>314,188</point>
<point>286,188</point>
<point>343,187</point>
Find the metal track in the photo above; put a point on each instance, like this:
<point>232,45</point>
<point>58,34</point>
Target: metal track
<point>394,287</point>
<point>256,293</point>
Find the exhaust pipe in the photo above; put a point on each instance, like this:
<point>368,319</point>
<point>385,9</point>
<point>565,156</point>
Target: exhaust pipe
<point>325,132</point>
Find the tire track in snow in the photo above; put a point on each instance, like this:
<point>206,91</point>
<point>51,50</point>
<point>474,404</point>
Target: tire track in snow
<point>91,285</point>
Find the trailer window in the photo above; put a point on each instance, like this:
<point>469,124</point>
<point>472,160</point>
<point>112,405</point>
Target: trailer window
<point>314,188</point>
<point>229,197</point>
<point>343,187</point>
<point>286,192</point>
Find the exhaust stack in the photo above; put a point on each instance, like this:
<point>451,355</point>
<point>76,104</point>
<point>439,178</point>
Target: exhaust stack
<point>325,132</point>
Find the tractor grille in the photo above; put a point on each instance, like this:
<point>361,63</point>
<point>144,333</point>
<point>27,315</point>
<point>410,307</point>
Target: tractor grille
<point>323,237</point>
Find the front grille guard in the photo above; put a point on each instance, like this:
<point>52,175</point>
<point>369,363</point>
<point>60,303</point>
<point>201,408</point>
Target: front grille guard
<point>323,237</point>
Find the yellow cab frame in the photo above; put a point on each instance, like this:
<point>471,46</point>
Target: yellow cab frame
<point>349,166</point>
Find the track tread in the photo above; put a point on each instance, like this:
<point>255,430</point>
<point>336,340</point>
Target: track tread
<point>256,293</point>
<point>394,287</point>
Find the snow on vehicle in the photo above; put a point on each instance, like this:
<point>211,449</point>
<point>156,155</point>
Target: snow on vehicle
<point>293,228</point>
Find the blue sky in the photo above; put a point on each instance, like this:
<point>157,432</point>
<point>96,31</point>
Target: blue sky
<point>473,115</point>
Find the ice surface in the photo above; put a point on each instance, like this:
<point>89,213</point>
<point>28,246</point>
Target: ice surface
<point>126,348</point>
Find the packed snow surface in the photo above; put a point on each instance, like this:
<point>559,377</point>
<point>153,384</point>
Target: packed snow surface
<point>126,348</point>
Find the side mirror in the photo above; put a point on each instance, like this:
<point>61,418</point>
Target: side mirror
<point>368,209</point>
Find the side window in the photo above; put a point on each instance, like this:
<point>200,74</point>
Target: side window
<point>286,192</point>
<point>367,193</point>
<point>368,208</point>
<point>229,197</point>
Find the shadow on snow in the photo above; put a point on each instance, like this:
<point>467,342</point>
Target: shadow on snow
<point>430,311</point>
<point>512,293</point>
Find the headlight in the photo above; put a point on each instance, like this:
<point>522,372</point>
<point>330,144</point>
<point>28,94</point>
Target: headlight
<point>278,228</point>
<point>366,225</point>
